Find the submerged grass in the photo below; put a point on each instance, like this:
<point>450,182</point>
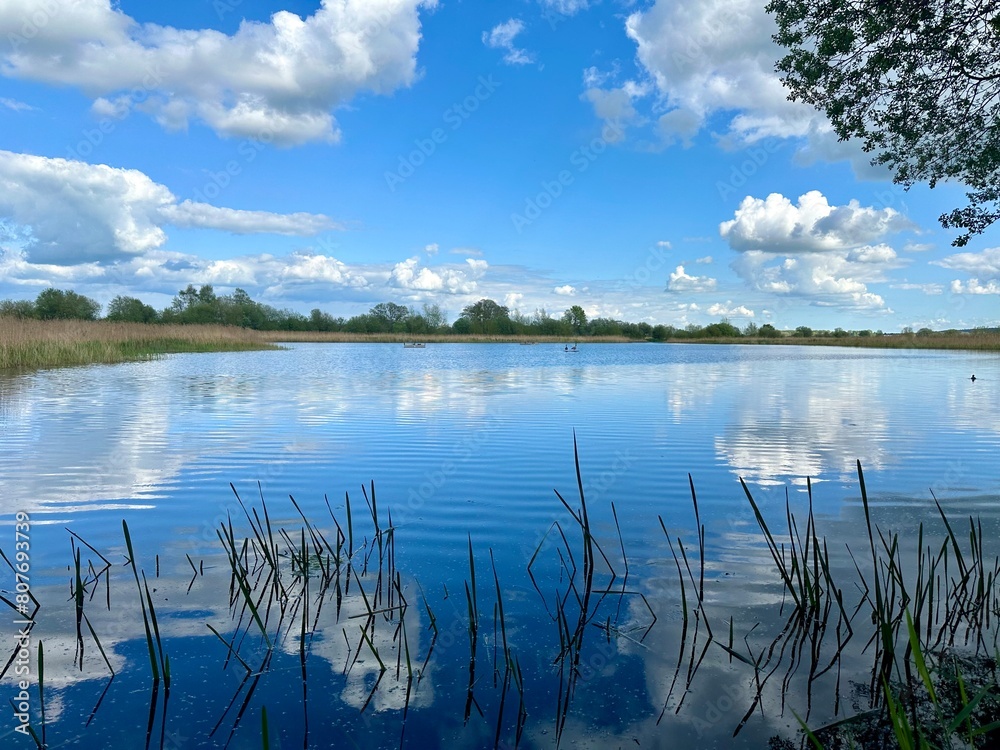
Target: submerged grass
<point>35,344</point>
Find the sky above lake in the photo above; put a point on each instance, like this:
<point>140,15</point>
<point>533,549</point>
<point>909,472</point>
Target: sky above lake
<point>639,159</point>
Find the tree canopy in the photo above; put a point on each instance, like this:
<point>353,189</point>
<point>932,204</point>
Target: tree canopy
<point>52,304</point>
<point>576,318</point>
<point>131,310</point>
<point>917,81</point>
<point>194,305</point>
<point>488,316</point>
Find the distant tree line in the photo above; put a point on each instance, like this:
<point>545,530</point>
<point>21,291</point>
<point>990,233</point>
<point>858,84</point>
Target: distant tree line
<point>202,305</point>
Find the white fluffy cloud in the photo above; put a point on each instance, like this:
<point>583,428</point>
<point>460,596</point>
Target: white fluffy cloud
<point>303,274</point>
<point>985,263</point>
<point>451,280</point>
<point>282,78</point>
<point>511,300</point>
<point>715,58</point>
<point>680,281</point>
<point>165,271</point>
<point>775,224</point>
<point>709,56</point>
<point>826,279</point>
<point>827,254</point>
<point>973,286</point>
<point>983,267</point>
<point>565,291</point>
<point>729,310</point>
<point>502,37</point>
<point>78,212</point>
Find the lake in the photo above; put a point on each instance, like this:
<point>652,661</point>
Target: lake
<point>469,444</point>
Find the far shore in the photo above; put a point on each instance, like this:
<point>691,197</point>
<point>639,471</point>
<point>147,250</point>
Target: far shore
<point>37,344</point>
<point>971,341</point>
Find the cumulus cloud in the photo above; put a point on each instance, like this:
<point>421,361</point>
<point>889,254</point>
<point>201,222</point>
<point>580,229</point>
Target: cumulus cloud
<point>728,310</point>
<point>565,291</point>
<point>16,269</point>
<point>451,280</point>
<point>502,37</point>
<point>165,271</point>
<point>825,279</point>
<point>680,281</point>
<point>973,286</point>
<point>511,300</point>
<point>432,249</point>
<point>827,254</point>
<point>78,212</point>
<point>710,56</point>
<point>714,59</point>
<point>304,274</point>
<point>775,224</point>
<point>985,263</point>
<point>705,260</point>
<point>983,267</point>
<point>282,78</point>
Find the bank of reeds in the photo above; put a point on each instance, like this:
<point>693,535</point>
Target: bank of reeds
<point>35,344</point>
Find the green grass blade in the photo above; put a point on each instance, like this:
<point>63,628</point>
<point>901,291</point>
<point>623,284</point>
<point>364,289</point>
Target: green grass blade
<point>918,658</point>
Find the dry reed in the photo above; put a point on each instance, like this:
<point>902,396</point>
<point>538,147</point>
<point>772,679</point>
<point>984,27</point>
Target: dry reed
<point>31,344</point>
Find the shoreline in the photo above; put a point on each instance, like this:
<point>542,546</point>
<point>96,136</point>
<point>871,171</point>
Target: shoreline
<point>27,345</point>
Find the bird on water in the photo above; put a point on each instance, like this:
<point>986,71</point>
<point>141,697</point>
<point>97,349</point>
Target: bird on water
<point>973,378</point>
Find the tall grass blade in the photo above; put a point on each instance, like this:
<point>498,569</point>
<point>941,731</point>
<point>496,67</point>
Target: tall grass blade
<point>154,667</point>
<point>41,687</point>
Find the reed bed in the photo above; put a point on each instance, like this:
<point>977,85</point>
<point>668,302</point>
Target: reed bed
<point>33,344</point>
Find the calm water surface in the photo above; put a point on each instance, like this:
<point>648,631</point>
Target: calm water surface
<point>469,441</point>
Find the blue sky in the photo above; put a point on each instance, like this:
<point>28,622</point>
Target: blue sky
<point>637,159</point>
